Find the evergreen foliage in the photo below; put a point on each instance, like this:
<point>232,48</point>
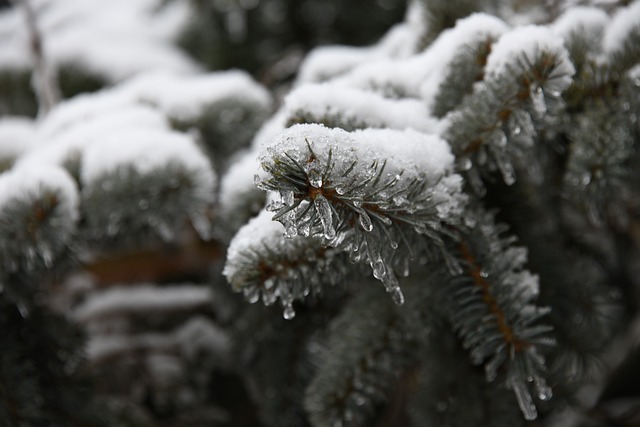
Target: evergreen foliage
<point>440,228</point>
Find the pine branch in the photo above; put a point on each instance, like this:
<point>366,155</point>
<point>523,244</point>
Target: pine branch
<point>359,194</point>
<point>364,355</point>
<point>262,264</point>
<point>496,122</point>
<point>491,307</point>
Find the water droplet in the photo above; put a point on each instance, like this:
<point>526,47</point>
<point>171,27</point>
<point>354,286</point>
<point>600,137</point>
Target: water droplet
<point>324,211</point>
<point>143,204</point>
<point>289,313</point>
<point>365,221</point>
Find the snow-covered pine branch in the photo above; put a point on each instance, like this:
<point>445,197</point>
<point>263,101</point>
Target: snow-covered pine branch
<point>363,191</point>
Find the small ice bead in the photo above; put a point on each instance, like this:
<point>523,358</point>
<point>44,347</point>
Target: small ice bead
<point>537,100</point>
<point>289,313</point>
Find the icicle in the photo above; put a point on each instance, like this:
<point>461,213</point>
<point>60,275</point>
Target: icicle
<point>524,399</point>
<point>47,254</point>
<point>537,100</point>
<point>397,296</point>
<point>365,221</point>
<point>505,166</point>
<point>475,180</point>
<point>404,272</point>
<point>289,313</point>
<point>378,267</point>
<point>324,211</point>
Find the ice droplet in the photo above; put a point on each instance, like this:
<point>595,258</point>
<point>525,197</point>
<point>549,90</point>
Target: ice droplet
<point>378,267</point>
<point>365,221</point>
<point>397,295</point>
<point>289,313</point>
<point>287,197</point>
<point>251,294</point>
<point>537,100</point>
<point>324,211</point>
<point>315,178</point>
<point>544,391</point>
<point>524,399</point>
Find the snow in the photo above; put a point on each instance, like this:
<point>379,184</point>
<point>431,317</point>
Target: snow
<point>625,21</point>
<point>422,73</point>
<point>476,28</point>
<point>124,300</point>
<point>186,97</point>
<point>113,40</point>
<point>61,141</point>
<point>359,106</point>
<point>408,151</point>
<point>238,181</point>
<point>21,181</point>
<point>269,130</point>
<point>253,236</point>
<point>145,150</point>
<point>326,62</point>
<point>17,136</point>
<point>527,41</point>
<point>580,19</point>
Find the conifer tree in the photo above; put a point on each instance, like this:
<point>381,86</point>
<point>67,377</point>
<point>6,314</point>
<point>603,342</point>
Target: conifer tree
<point>439,228</point>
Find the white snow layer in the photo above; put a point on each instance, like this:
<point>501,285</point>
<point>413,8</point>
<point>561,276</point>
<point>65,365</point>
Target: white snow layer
<point>359,105</point>
<point>145,150</point>
<point>113,40</point>
<point>422,73</point>
<point>625,21</point>
<point>580,19</point>
<point>237,182</point>
<point>326,62</point>
<point>252,237</point>
<point>527,41</point>
<point>17,136</point>
<point>22,181</point>
<point>142,299</point>
<point>186,97</point>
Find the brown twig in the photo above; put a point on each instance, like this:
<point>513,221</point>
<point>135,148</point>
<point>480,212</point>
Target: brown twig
<point>44,79</point>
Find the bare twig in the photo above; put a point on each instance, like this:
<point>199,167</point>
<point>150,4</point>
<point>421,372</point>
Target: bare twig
<point>44,79</point>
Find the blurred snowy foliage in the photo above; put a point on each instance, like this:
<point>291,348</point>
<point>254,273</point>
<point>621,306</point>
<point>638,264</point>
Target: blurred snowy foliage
<point>436,204</point>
